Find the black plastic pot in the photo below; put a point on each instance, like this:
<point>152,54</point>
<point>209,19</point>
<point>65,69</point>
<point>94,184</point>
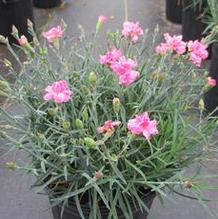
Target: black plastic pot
<point>192,26</point>
<point>46,3</point>
<point>72,213</point>
<point>15,12</point>
<point>174,11</point>
<point>211,96</point>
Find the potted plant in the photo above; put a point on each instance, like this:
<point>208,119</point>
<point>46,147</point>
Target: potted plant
<point>106,135</point>
<point>47,3</point>
<point>174,11</point>
<point>192,25</point>
<point>211,99</point>
<point>17,13</point>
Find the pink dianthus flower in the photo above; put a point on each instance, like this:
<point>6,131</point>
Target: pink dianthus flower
<point>58,91</point>
<point>132,30</point>
<point>142,125</point>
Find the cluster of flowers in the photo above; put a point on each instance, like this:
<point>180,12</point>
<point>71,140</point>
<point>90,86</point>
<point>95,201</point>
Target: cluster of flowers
<point>59,92</point>
<point>197,50</point>
<point>140,125</point>
<point>121,66</point>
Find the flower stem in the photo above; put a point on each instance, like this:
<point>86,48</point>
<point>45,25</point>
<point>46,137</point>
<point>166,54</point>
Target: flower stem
<point>126,9</point>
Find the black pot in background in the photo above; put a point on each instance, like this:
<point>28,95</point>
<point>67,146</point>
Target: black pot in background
<point>192,26</point>
<point>47,3</point>
<point>15,12</point>
<point>211,96</point>
<point>174,11</point>
<point>72,213</point>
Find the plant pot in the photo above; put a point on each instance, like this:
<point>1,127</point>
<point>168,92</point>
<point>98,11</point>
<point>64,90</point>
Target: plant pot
<point>46,3</point>
<point>192,26</point>
<point>15,12</point>
<point>211,96</point>
<point>71,212</point>
<point>174,11</point>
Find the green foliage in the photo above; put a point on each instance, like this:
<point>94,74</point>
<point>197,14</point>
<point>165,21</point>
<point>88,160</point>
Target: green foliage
<point>62,139</point>
<point>212,21</point>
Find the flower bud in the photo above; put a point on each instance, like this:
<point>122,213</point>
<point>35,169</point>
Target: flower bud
<point>66,125</point>
<point>187,184</point>
<point>3,39</point>
<point>11,165</point>
<point>98,175</point>
<point>14,31</point>
<point>2,134</point>
<point>90,142</point>
<point>22,41</point>
<point>85,90</point>
<point>4,88</point>
<point>52,112</point>
<point>101,20</point>
<point>93,78</point>
<point>81,141</point>
<point>7,63</point>
<point>75,75</point>
<point>29,23</point>
<point>114,158</point>
<point>85,114</point>
<point>201,104</point>
<point>116,105</point>
<point>79,124</point>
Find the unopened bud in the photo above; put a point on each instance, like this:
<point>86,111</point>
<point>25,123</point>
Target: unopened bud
<point>11,165</point>
<point>14,31</point>
<point>66,125</point>
<point>114,158</point>
<point>116,105</point>
<point>81,141</point>
<point>85,90</point>
<point>85,114</point>
<point>201,104</point>
<point>98,175</point>
<point>7,63</point>
<point>3,40</point>
<point>93,78</point>
<point>4,88</point>
<point>187,184</point>
<point>101,20</point>
<point>75,75</point>
<point>29,23</point>
<point>2,134</point>
<point>52,112</point>
<point>90,142</point>
<point>79,124</point>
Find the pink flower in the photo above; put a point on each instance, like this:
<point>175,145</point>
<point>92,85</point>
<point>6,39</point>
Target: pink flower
<point>128,78</point>
<point>142,125</point>
<point>123,65</point>
<point>110,57</point>
<point>198,52</point>
<point>211,82</point>
<point>109,125</point>
<point>175,43</point>
<point>58,91</point>
<point>132,30</point>
<point>123,68</point>
<point>172,43</point>
<point>102,19</point>
<point>162,49</point>
<point>22,40</point>
<point>53,34</point>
